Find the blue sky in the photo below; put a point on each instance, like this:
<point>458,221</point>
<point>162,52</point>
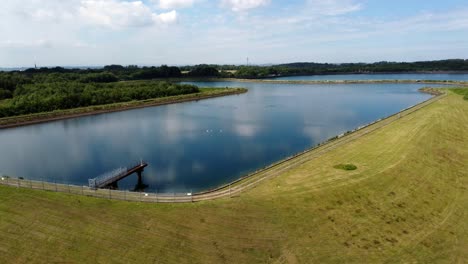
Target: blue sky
<point>179,32</point>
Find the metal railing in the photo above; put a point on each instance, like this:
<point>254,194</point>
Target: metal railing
<point>94,183</point>
<point>99,193</point>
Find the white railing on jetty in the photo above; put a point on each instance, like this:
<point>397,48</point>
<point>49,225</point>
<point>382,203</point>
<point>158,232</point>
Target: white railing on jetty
<point>94,183</point>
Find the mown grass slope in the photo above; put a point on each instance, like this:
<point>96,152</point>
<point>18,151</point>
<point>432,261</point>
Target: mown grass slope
<point>406,202</point>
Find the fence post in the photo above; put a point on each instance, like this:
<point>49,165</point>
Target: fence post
<point>19,184</point>
<point>56,186</point>
<point>30,184</point>
<point>43,185</point>
<point>125,195</point>
<point>69,190</point>
<point>82,190</point>
<point>110,194</point>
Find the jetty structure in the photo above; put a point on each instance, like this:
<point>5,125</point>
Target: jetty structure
<point>110,179</point>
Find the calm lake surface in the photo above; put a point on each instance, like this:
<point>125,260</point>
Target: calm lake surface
<point>406,76</point>
<point>199,145</point>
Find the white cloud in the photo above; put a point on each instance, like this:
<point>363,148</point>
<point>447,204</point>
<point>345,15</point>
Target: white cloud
<point>333,7</point>
<point>80,44</point>
<point>243,5</point>
<point>41,11</point>
<point>117,14</point>
<point>452,21</point>
<point>43,14</point>
<point>41,43</point>
<point>171,4</point>
<point>166,18</point>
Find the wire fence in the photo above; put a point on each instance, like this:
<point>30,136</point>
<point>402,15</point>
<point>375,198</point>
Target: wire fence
<point>100,193</point>
<point>232,189</point>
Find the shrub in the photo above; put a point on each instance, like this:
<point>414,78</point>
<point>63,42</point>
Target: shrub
<point>347,167</point>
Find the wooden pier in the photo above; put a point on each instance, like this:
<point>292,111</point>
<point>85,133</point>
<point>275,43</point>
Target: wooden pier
<point>109,180</point>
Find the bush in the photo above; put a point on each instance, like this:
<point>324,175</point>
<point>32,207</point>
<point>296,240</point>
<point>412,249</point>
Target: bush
<point>104,77</point>
<point>347,167</point>
<point>461,91</point>
<point>4,94</point>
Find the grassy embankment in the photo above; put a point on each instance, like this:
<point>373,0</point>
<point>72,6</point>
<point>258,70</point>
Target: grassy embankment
<point>98,109</point>
<point>461,91</point>
<point>405,202</point>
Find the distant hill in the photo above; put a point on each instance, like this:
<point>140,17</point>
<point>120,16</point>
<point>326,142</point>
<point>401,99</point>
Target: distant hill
<point>440,65</point>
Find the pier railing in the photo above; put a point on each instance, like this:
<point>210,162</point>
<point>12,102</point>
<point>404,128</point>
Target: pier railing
<point>94,183</point>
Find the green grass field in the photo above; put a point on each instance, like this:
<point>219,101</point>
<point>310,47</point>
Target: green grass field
<point>405,203</point>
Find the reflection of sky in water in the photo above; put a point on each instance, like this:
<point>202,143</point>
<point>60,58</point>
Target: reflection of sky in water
<point>199,145</point>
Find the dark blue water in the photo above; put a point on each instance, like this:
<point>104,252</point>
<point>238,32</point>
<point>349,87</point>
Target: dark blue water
<point>406,76</point>
<point>199,145</point>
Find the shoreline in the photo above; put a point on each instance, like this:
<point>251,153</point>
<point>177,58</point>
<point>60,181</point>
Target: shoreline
<point>366,73</point>
<point>444,82</point>
<point>38,118</point>
<point>240,185</point>
<point>273,81</point>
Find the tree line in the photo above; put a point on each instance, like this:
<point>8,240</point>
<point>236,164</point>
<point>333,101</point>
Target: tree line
<point>44,97</point>
<point>112,73</point>
<point>307,68</point>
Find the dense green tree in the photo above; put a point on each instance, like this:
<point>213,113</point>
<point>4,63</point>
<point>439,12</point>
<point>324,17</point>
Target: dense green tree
<point>103,77</point>
<point>42,97</point>
<point>5,94</point>
<point>164,71</point>
<point>9,81</point>
<point>204,70</point>
<point>114,68</point>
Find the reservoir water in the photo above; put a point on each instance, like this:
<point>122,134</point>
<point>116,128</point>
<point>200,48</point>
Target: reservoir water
<point>199,145</point>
